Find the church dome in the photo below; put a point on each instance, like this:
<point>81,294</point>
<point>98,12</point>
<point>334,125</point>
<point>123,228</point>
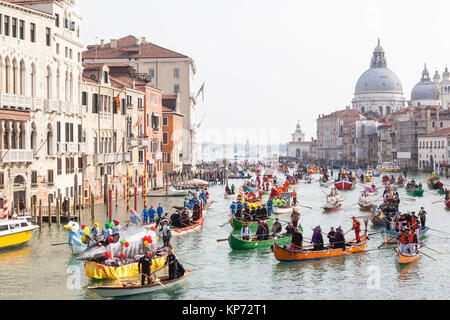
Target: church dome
<point>425,89</point>
<point>445,75</point>
<point>378,79</point>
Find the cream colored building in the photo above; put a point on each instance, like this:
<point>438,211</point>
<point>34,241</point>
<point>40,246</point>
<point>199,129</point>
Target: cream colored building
<point>434,150</point>
<point>41,151</point>
<point>169,71</point>
<point>112,134</point>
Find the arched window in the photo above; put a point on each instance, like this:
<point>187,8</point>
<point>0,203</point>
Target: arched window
<point>7,76</point>
<point>95,143</point>
<point>48,84</point>
<point>33,80</point>
<point>49,140</point>
<point>33,138</point>
<point>15,78</point>
<point>363,109</point>
<point>388,110</point>
<point>22,78</point>
<point>380,110</point>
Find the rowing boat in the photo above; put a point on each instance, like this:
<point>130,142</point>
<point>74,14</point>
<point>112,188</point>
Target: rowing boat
<point>329,209</point>
<point>344,185</point>
<point>395,233</point>
<point>406,257</point>
<point>253,225</point>
<point>286,255</point>
<point>415,192</point>
<point>135,288</point>
<point>365,208</point>
<point>193,227</point>
<point>240,244</point>
<point>282,210</point>
<point>442,191</point>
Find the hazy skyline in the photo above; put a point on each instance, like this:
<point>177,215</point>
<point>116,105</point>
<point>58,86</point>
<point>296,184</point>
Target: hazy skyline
<point>268,64</point>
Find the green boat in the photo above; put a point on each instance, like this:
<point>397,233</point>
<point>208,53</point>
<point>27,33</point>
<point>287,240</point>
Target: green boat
<point>442,191</point>
<point>238,224</point>
<point>415,192</point>
<point>238,244</point>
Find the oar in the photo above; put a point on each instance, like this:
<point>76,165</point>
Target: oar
<point>59,244</point>
<point>408,199</point>
<point>226,223</point>
<point>305,206</point>
<point>222,240</point>
<point>427,255</point>
<point>439,231</point>
<point>438,201</point>
<point>386,242</point>
<point>440,252</point>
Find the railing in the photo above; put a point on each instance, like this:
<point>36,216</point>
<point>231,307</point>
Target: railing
<point>82,147</point>
<point>22,156</point>
<point>61,107</point>
<point>51,106</point>
<point>72,147</point>
<point>105,158</point>
<point>16,101</point>
<point>60,147</point>
<point>105,116</point>
<point>143,143</point>
<point>132,143</point>
<point>75,108</point>
<point>37,104</point>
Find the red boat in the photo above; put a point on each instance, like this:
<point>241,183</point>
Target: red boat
<point>365,208</point>
<point>344,185</point>
<point>326,209</point>
<point>447,204</point>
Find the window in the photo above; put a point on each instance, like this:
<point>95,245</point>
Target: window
<point>6,25</point>
<point>165,138</point>
<point>441,124</point>
<point>14,27</point>
<point>84,98</point>
<point>57,20</point>
<point>1,23</point>
<point>105,77</point>
<point>2,180</point>
<point>22,30</point>
<point>176,88</point>
<point>50,177</point>
<point>151,72</point>
<point>70,53</point>
<point>79,57</point>
<point>58,132</point>
<point>66,52</point>
<point>57,48</point>
<point>33,178</point>
<point>165,121</point>
<point>176,73</point>
<point>153,99</point>
<point>47,37</point>
<point>141,156</point>
<point>95,102</point>
<point>140,104</point>
<point>59,166</point>
<point>32,32</point>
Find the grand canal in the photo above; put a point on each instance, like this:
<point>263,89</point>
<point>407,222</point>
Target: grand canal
<point>39,270</point>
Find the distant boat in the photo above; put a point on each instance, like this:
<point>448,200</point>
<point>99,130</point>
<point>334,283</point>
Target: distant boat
<point>388,167</point>
<point>171,192</point>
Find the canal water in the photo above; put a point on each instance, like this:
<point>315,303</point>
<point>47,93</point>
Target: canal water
<point>39,270</point>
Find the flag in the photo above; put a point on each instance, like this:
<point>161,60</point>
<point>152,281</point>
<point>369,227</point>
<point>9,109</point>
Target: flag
<point>138,122</point>
<point>202,90</point>
<point>117,99</point>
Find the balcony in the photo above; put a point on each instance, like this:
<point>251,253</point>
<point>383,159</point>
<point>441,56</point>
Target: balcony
<point>51,106</point>
<point>132,143</point>
<point>72,147</point>
<point>75,109</point>
<point>82,147</point>
<point>143,143</point>
<point>106,158</point>
<point>16,101</point>
<point>105,116</point>
<point>19,156</point>
<point>83,111</point>
<point>37,104</point>
<point>60,147</point>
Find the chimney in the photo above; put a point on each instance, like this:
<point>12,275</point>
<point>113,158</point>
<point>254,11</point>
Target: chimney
<point>102,43</point>
<point>113,43</point>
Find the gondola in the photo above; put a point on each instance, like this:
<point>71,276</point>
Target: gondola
<point>237,243</point>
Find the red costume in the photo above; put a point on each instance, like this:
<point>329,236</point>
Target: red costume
<point>357,228</point>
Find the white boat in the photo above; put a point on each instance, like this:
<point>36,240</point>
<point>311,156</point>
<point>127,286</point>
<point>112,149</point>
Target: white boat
<point>15,232</point>
<point>196,182</point>
<point>135,288</point>
<point>388,167</point>
<point>171,192</point>
<point>282,210</point>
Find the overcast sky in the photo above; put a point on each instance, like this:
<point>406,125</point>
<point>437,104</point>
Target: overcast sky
<point>268,64</point>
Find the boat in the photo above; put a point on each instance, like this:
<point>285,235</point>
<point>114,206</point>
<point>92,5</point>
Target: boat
<point>196,183</point>
<point>365,207</point>
<point>240,177</point>
<point>253,225</point>
<point>442,191</point>
<point>282,210</point>
<point>15,232</point>
<point>286,255</point>
<point>376,174</point>
<point>193,227</point>
<point>229,195</point>
<point>322,184</point>
<point>344,185</point>
<point>416,192</point>
<point>434,183</point>
<point>236,243</point>
<point>135,288</point>
<point>447,204</point>
<point>171,192</point>
<point>395,233</point>
<point>388,167</point>
<point>406,257</point>
<point>332,209</point>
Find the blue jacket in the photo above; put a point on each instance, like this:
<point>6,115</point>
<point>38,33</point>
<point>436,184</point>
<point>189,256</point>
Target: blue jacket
<point>160,211</point>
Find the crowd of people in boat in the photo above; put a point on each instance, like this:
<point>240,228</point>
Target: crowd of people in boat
<point>242,211</point>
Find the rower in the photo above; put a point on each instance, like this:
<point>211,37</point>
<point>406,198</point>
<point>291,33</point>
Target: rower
<point>232,188</point>
<point>263,212</point>
<point>165,233</point>
<point>357,227</point>
<point>144,266</point>
<point>290,229</point>
<point>151,215</point>
<point>339,239</point>
<point>276,228</point>
<point>403,241</point>
<point>245,232</point>
<point>159,212</point>
<point>95,230</point>
<point>412,241</point>
<point>297,240</point>
<point>330,236</point>
<point>116,227</point>
<point>422,216</point>
<point>260,231</point>
<point>317,239</point>
<point>233,208</point>
<point>145,215</point>
<point>295,216</point>
<point>294,197</point>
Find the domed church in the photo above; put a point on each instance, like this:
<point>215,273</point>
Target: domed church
<point>378,89</point>
<point>434,92</point>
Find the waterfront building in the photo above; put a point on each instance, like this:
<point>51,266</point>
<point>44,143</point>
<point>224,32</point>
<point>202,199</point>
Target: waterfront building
<point>378,89</point>
<point>113,138</point>
<point>366,142</point>
<point>167,70</point>
<point>385,140</point>
<point>299,148</point>
<point>172,126</point>
<point>40,66</point>
<point>334,136</point>
<point>434,150</point>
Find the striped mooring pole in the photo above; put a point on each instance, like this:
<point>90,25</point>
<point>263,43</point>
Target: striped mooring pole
<point>5,208</point>
<point>128,191</point>
<point>144,193</point>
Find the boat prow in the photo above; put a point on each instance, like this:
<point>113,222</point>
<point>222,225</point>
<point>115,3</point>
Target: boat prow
<point>406,257</point>
<point>135,288</point>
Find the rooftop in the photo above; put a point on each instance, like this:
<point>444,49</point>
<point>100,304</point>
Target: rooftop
<point>439,133</point>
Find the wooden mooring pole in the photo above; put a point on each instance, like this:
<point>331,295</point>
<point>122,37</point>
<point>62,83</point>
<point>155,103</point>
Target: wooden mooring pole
<point>40,214</point>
